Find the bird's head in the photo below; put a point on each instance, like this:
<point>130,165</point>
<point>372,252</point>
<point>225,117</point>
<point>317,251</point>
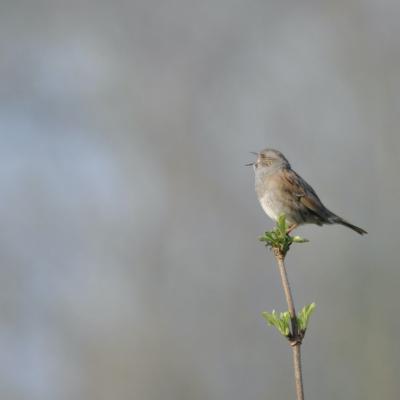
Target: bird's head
<point>269,160</point>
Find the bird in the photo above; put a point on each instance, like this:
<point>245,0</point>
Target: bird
<point>281,190</point>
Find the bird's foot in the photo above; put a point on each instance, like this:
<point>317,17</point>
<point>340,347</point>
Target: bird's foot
<point>291,228</point>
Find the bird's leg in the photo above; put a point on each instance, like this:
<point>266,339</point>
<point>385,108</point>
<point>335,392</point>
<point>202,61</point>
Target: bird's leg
<point>291,228</point>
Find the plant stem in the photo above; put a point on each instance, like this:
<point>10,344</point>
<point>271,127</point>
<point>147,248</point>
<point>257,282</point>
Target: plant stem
<point>296,349</point>
<point>296,337</point>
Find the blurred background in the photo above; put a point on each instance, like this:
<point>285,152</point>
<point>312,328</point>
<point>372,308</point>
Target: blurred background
<point>130,266</point>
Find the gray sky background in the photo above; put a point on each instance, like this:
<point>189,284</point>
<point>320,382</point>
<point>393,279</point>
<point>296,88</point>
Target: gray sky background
<point>130,266</point>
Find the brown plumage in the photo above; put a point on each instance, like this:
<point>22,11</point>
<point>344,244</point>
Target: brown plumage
<point>281,190</point>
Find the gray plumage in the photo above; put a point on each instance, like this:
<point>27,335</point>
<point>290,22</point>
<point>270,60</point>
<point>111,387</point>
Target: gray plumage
<point>281,190</point>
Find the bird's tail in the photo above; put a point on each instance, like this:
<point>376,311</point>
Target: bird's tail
<point>338,220</point>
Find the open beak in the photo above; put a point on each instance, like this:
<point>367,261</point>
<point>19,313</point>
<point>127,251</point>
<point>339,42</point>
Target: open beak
<point>252,163</point>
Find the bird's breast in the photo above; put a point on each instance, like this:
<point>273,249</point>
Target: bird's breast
<point>270,205</point>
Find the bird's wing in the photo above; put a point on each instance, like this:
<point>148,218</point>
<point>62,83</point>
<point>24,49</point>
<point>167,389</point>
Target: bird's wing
<point>304,192</point>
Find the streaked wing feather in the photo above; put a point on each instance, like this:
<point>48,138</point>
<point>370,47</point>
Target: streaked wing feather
<point>304,192</point>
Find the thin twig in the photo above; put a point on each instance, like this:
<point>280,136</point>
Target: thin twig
<point>296,336</point>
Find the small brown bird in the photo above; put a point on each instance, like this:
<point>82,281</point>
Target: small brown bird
<point>281,190</point>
